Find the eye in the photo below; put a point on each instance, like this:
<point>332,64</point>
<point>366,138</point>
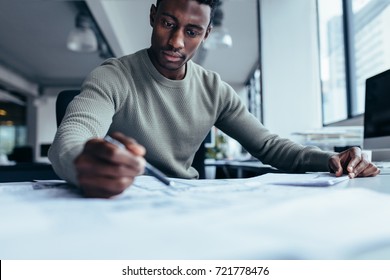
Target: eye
<point>167,24</point>
<point>192,33</point>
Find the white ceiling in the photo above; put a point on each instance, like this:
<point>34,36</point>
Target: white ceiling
<point>33,38</point>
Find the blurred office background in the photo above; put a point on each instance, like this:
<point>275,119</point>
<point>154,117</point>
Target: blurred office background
<point>300,66</point>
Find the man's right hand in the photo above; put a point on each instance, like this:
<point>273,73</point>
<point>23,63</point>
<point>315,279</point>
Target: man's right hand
<point>104,170</point>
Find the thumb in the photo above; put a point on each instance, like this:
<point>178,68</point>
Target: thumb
<point>136,149</point>
<point>335,166</point>
<point>130,144</point>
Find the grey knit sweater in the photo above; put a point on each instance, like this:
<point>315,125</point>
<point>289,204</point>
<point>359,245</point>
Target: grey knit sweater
<point>169,117</point>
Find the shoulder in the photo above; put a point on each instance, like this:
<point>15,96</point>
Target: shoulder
<point>203,73</point>
<point>215,90</point>
<point>124,63</point>
<point>117,70</point>
<point>210,79</point>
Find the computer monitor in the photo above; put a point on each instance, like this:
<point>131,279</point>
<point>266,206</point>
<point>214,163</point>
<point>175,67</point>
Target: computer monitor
<point>377,116</point>
<point>45,149</point>
<point>209,141</point>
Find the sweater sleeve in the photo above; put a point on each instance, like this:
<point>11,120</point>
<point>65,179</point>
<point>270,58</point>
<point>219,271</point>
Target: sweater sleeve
<point>236,121</point>
<point>89,115</point>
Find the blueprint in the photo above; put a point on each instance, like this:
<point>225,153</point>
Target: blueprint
<point>255,218</point>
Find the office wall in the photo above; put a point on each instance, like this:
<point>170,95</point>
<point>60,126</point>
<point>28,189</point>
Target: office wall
<point>46,123</point>
<point>290,66</point>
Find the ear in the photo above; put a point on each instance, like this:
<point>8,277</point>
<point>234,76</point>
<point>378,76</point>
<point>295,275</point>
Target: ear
<point>152,15</point>
<point>209,28</point>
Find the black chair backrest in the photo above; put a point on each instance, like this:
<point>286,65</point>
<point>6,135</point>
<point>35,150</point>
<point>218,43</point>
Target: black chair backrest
<point>66,96</point>
<point>62,102</point>
<point>22,154</point>
<point>198,162</point>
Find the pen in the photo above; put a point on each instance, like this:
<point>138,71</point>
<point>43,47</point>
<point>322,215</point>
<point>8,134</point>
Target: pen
<point>148,167</point>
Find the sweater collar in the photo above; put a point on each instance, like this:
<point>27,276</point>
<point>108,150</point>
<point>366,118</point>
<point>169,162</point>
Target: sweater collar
<point>160,78</point>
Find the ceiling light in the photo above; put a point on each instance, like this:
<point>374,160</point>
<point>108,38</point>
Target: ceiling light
<point>219,38</point>
<point>83,37</point>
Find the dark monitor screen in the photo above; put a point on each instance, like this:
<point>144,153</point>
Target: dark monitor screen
<point>377,116</point>
<point>377,107</point>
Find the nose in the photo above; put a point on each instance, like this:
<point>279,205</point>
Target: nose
<point>177,39</point>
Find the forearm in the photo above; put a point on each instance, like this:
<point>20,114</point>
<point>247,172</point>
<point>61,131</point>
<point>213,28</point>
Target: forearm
<point>289,156</point>
<point>271,149</point>
<point>62,155</point>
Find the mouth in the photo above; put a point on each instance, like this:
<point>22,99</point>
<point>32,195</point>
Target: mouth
<point>172,56</point>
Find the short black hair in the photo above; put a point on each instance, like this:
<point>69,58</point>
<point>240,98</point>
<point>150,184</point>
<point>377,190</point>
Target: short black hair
<point>212,3</point>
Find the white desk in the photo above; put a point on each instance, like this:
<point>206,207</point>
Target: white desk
<point>218,219</point>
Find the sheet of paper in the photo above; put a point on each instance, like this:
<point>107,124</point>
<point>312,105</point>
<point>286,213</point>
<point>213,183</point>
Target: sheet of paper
<point>310,179</point>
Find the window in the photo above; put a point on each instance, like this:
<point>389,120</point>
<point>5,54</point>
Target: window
<point>354,45</point>
<point>332,53</point>
<point>13,131</point>
<point>254,94</point>
<point>371,44</point>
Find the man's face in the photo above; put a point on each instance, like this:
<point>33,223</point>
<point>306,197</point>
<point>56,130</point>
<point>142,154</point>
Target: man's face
<point>179,27</point>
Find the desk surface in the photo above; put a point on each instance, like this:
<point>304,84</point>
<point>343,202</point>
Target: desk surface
<point>200,219</point>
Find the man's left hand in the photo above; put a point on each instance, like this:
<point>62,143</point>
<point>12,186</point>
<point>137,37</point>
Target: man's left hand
<point>353,162</point>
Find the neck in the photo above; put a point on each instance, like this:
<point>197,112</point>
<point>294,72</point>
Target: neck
<point>177,74</point>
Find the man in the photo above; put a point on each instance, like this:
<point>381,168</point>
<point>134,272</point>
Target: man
<point>167,103</point>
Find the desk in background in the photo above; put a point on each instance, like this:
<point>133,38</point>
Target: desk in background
<point>224,168</point>
<point>199,219</point>
<point>26,172</point>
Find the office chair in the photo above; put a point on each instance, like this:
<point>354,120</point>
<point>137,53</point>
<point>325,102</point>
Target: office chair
<point>66,96</point>
<point>22,154</point>
<point>62,102</point>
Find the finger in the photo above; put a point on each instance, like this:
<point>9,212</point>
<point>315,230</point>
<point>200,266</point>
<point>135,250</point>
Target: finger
<point>356,155</point>
<point>103,187</point>
<point>98,167</point>
<point>335,166</point>
<point>362,165</point>
<point>100,179</point>
<point>102,150</point>
<point>370,170</point>
<point>130,143</point>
